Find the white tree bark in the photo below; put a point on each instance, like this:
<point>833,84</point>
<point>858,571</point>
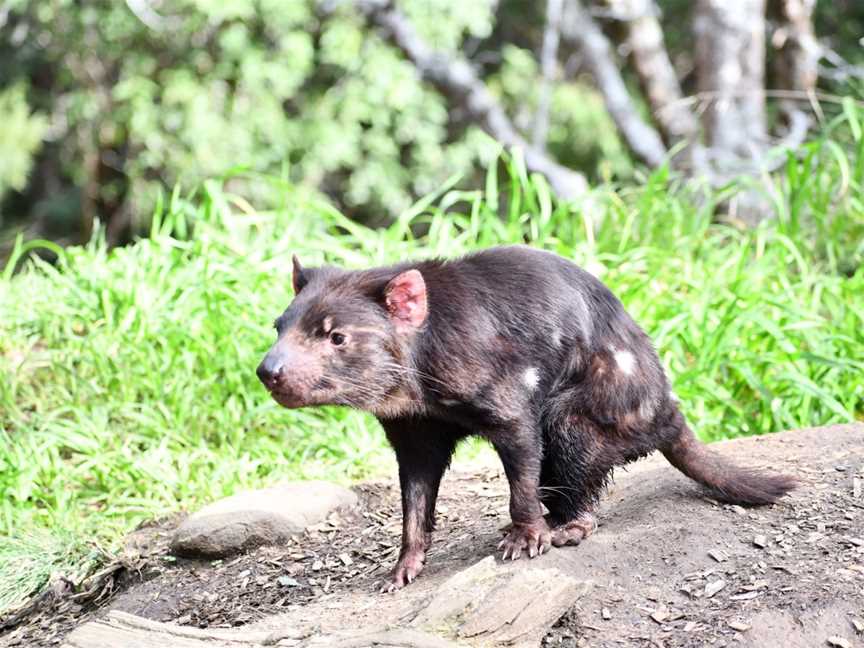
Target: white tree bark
<point>730,62</point>
<point>644,40</point>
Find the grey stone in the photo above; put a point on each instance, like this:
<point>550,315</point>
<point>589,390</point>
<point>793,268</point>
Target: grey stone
<point>256,518</point>
<point>487,605</point>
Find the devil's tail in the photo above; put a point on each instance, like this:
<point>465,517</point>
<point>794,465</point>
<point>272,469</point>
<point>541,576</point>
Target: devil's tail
<point>725,481</point>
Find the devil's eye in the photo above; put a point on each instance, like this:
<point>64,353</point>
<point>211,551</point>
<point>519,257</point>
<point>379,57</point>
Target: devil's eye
<point>338,339</point>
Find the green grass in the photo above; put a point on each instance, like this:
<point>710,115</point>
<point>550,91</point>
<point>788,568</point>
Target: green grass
<point>127,384</point>
<point>30,560</point>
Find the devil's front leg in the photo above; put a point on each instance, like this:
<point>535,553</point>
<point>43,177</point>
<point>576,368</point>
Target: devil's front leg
<point>519,446</point>
<point>423,450</point>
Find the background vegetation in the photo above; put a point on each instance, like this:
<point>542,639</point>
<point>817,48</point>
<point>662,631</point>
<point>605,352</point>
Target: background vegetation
<point>127,388</point>
<point>115,110</point>
<point>105,108</point>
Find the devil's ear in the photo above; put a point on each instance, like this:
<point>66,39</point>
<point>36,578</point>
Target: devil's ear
<point>405,298</point>
<point>299,276</point>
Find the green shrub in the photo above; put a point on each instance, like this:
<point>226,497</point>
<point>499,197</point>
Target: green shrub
<point>20,138</point>
<point>269,87</point>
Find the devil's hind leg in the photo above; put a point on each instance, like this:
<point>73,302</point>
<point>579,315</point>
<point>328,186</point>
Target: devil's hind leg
<point>576,467</point>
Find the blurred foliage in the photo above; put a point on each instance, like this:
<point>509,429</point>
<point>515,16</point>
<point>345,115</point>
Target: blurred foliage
<point>20,138</point>
<point>140,102</point>
<point>108,103</point>
<point>840,25</point>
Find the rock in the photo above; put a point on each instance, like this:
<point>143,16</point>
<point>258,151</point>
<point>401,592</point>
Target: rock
<point>488,604</point>
<point>256,518</point>
<point>287,581</point>
<point>746,596</point>
<point>839,642</point>
<point>740,626</point>
<point>660,614</point>
<point>712,588</point>
<point>760,541</point>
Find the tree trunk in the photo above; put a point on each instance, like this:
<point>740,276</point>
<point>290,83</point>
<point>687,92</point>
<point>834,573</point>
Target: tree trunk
<point>643,38</point>
<point>796,66</point>
<point>730,63</point>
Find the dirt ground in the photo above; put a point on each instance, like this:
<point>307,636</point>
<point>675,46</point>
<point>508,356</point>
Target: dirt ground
<point>668,567</point>
<point>352,550</point>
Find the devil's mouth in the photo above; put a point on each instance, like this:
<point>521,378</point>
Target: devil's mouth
<point>285,399</point>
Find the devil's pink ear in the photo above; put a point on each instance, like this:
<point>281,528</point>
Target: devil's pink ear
<point>405,297</point>
<point>298,276</point>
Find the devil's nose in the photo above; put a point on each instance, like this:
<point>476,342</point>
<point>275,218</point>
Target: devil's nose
<point>270,370</point>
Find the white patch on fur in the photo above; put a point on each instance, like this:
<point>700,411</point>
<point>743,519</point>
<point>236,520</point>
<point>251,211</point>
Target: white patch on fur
<point>448,402</point>
<point>673,396</point>
<point>582,316</point>
<point>625,361</point>
<point>647,409</point>
<point>531,378</point>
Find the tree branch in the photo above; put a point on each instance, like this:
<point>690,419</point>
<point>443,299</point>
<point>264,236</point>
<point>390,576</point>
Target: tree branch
<point>455,78</point>
<point>548,62</point>
<point>148,15</point>
<point>840,69</point>
<point>644,40</point>
<point>580,31</point>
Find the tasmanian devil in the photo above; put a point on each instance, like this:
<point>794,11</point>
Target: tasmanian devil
<point>513,344</point>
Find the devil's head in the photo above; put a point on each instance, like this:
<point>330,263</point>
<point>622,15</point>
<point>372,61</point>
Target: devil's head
<point>344,339</point>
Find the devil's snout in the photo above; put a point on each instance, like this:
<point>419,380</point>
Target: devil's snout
<point>270,370</point>
<point>289,374</point>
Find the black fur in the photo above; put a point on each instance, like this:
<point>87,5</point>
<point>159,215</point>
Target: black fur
<point>519,346</point>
